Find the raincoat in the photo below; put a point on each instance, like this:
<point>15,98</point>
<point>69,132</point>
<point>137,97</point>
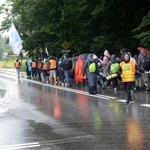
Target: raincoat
<point>29,67</point>
<point>91,76</point>
<point>105,58</point>
<point>141,57</point>
<point>79,70</point>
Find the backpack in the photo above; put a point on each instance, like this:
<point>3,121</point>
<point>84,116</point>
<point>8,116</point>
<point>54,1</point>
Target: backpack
<point>67,64</point>
<point>114,68</point>
<point>92,67</point>
<point>146,63</point>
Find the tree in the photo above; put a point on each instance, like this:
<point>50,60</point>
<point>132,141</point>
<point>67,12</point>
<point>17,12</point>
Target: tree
<point>4,47</point>
<point>84,24</point>
<point>142,33</point>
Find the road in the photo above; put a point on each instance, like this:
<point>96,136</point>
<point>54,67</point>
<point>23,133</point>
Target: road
<point>37,116</point>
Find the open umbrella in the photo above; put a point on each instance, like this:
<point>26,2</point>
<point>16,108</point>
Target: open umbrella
<point>146,50</point>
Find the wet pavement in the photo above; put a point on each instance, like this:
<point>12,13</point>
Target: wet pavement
<point>35,116</point>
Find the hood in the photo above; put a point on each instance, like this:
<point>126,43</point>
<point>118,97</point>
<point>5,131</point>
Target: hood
<point>129,57</point>
<point>124,50</point>
<point>113,57</point>
<point>142,52</point>
<point>117,59</point>
<point>129,54</point>
<point>90,58</point>
<point>106,53</point>
<point>80,57</point>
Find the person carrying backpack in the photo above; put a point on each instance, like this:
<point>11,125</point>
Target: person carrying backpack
<point>52,66</point>
<point>67,67</point>
<point>79,70</point>
<point>108,74</point>
<point>114,70</point>
<point>91,71</point>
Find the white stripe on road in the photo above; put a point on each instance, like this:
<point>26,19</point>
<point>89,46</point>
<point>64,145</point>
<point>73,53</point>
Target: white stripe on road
<point>122,100</point>
<point>72,90</point>
<point>79,91</point>
<point>145,105</point>
<point>52,142</point>
<point>20,146</point>
<point>66,89</point>
<point>67,140</point>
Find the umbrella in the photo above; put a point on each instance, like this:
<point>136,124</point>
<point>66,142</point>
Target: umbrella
<point>146,50</point>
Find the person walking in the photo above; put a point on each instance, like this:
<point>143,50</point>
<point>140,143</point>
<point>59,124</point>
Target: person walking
<point>34,69</point>
<point>128,69</point>
<point>79,70</point>
<point>67,66</point>
<point>39,70</point>
<point>17,64</point>
<point>91,69</point>
<point>52,66</point>
<point>106,58</point>
<point>29,68</point>
<point>100,76</point>
<point>43,70</point>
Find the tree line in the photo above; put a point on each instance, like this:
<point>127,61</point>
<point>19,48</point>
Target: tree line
<point>87,25</point>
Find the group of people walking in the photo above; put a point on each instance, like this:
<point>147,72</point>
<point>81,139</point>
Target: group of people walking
<point>105,70</point>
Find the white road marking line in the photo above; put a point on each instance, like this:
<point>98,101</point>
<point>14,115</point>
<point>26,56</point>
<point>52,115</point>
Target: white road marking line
<point>20,146</point>
<point>122,100</point>
<point>145,105</point>
<point>61,141</point>
<point>72,90</point>
<point>52,142</point>
<point>68,89</point>
<point>76,91</point>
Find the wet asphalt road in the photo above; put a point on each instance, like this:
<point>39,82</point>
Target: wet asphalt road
<point>34,116</point>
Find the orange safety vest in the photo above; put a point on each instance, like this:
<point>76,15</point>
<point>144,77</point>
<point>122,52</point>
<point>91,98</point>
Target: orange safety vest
<point>44,67</point>
<point>53,64</point>
<point>33,64</point>
<point>17,65</point>
<point>128,71</point>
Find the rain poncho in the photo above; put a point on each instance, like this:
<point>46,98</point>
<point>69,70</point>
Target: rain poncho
<point>79,70</point>
<point>91,76</point>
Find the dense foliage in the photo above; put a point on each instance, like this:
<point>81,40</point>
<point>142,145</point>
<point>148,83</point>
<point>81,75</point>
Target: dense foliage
<point>87,25</point>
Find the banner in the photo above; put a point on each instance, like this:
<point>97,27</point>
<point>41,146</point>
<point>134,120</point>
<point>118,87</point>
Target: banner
<point>14,40</point>
<point>46,51</point>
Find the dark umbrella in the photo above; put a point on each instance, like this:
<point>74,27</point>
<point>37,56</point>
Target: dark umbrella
<point>146,50</point>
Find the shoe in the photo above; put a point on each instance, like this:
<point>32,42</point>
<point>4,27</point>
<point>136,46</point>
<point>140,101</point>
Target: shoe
<point>127,102</point>
<point>131,101</point>
<point>103,88</point>
<point>115,89</point>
